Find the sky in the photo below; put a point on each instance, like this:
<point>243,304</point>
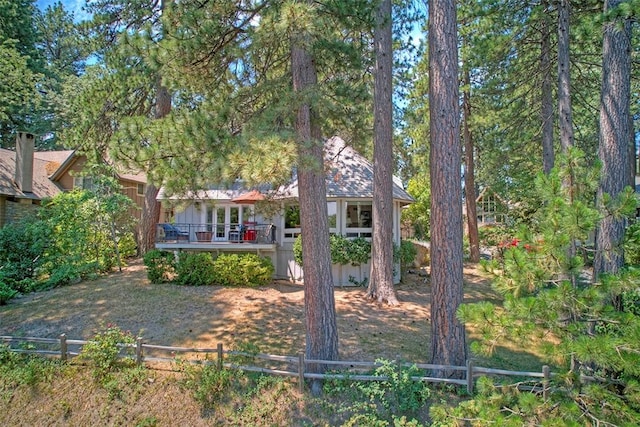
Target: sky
<point>72,6</point>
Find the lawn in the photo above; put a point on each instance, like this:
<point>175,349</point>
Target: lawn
<point>269,319</point>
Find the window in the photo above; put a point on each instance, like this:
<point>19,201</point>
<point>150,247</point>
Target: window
<point>359,214</point>
<point>490,210</point>
<point>292,219</point>
<point>140,190</point>
<point>83,183</point>
<point>292,216</point>
<point>332,211</point>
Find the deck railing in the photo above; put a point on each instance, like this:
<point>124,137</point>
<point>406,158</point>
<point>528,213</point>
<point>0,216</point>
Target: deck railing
<point>248,232</point>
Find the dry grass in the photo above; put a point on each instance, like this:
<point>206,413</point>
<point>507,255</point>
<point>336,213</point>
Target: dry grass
<point>270,318</point>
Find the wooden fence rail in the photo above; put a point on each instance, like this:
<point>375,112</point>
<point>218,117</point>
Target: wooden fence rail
<point>346,370</point>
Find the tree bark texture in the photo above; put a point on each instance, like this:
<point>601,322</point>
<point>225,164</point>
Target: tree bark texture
<point>565,115</point>
<point>319,302</point>
<point>469,174</point>
<point>546,109</point>
<point>381,274</point>
<point>615,131</point>
<point>150,214</point>
<point>448,346</point>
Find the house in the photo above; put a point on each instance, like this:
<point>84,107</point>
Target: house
<point>267,221</point>
<point>491,209</point>
<point>28,176</point>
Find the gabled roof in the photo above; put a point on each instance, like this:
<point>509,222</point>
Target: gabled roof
<point>48,168</point>
<point>349,175</point>
<point>68,161</point>
<point>44,164</point>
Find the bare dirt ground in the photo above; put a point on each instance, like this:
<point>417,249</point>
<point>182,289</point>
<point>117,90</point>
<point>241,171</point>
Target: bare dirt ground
<point>268,319</point>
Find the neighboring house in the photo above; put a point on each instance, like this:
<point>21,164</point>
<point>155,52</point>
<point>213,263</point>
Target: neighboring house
<point>267,222</point>
<point>28,176</point>
<point>491,209</point>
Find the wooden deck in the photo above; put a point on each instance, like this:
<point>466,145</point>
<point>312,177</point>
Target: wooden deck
<point>223,246</point>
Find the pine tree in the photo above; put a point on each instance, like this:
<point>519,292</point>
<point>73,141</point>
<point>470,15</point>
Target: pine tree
<point>381,274</point>
<point>448,344</point>
<point>615,132</point>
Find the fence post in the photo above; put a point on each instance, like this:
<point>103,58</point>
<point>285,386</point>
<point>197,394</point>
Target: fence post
<point>301,371</point>
<point>139,355</point>
<point>63,347</point>
<point>545,382</point>
<point>470,376</point>
<point>220,356</point>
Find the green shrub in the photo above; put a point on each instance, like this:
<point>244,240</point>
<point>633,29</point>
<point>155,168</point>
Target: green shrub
<point>243,270</point>
<point>343,250</point>
<point>398,393</point>
<point>161,265</point>
<point>19,369</point>
<point>103,351</point>
<point>208,383</point>
<point>127,245</point>
<point>405,254</point>
<point>23,248</point>
<point>6,293</point>
<point>63,275</point>
<point>195,268</point>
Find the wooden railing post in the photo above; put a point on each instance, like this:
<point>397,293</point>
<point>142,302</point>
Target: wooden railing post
<point>139,355</point>
<point>545,381</point>
<point>470,376</point>
<point>220,356</point>
<point>301,372</point>
<point>63,347</point>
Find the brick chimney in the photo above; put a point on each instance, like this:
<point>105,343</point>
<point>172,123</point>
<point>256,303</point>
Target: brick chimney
<point>25,145</point>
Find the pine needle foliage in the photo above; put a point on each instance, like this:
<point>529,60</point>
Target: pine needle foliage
<point>589,331</point>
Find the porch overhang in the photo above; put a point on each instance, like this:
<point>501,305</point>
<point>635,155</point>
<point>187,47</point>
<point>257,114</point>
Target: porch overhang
<point>218,247</point>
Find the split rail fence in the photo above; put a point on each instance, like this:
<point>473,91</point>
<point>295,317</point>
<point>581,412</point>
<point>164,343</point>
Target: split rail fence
<point>294,366</point>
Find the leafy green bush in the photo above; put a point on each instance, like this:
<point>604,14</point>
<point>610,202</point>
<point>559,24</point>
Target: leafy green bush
<point>243,270</point>
<point>494,235</point>
<point>63,275</point>
<point>161,265</point>
<point>19,369</point>
<point>6,293</point>
<point>208,383</point>
<point>103,351</point>
<point>398,393</point>
<point>23,251</point>
<point>343,250</point>
<point>195,269</point>
<point>405,254</point>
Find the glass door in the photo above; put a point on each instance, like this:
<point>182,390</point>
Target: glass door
<point>218,220</point>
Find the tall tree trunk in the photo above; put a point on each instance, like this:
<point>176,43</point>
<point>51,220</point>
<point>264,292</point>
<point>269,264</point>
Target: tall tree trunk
<point>319,303</point>
<point>564,81</point>
<point>381,275</point>
<point>565,113</point>
<point>469,172</point>
<point>448,345</point>
<point>615,131</point>
<point>150,214</point>
<point>546,110</point>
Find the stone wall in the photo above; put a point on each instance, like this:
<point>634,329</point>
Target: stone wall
<point>13,211</point>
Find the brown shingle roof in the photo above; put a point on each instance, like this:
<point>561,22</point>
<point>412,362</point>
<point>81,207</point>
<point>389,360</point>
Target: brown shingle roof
<point>43,187</point>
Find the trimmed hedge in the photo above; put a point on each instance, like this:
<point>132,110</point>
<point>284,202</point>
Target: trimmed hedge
<point>161,265</point>
<point>243,270</point>
<point>200,269</point>
<point>195,269</point>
